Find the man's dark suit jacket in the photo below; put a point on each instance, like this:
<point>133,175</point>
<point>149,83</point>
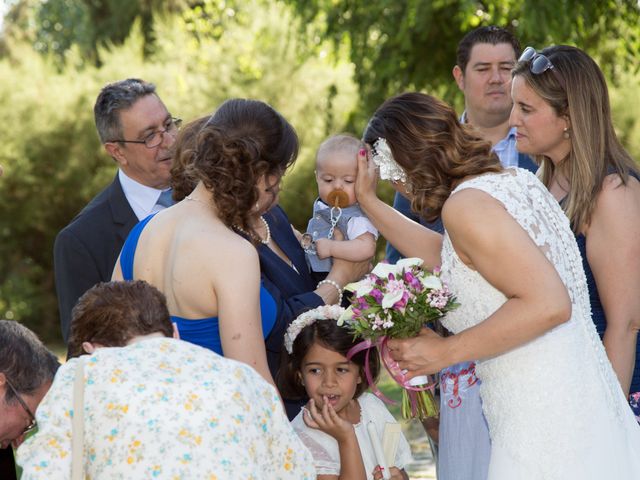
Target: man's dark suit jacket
<point>7,467</point>
<point>86,250</point>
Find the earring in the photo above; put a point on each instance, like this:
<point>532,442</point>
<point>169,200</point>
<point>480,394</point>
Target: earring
<point>565,133</point>
<point>257,207</point>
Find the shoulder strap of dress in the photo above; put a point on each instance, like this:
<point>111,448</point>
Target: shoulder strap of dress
<point>129,249</point>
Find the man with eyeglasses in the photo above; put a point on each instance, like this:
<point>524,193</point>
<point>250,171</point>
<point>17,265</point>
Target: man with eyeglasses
<point>137,131</point>
<point>27,369</point>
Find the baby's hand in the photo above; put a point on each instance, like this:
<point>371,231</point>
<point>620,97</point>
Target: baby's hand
<point>327,420</point>
<point>396,474</point>
<point>323,248</point>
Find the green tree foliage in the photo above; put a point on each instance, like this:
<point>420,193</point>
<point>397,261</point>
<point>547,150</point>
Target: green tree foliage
<point>400,45</point>
<point>54,26</point>
<point>52,158</point>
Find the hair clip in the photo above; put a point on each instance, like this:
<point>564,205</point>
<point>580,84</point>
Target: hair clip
<point>383,159</point>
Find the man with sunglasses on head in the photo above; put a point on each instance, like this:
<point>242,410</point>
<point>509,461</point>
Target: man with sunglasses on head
<point>27,369</point>
<point>137,131</point>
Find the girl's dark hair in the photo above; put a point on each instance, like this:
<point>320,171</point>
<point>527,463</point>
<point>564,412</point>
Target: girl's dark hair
<point>431,146</point>
<point>328,334</point>
<point>229,152</point>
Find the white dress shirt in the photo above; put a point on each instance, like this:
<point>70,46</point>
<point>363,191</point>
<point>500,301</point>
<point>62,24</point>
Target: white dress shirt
<point>141,198</point>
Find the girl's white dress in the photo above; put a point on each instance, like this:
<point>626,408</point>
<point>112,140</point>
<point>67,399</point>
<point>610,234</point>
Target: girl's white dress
<point>554,406</point>
<point>324,448</point>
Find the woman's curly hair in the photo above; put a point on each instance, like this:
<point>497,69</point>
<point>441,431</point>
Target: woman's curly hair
<point>432,147</point>
<point>229,152</point>
<point>184,150</point>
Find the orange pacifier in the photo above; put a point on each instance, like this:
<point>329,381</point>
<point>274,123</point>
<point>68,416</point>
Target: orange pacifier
<point>338,198</point>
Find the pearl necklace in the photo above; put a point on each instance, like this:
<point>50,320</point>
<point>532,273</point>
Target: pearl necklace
<point>193,199</point>
<point>264,240</point>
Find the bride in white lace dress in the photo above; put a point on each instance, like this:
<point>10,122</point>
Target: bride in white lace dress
<point>552,401</point>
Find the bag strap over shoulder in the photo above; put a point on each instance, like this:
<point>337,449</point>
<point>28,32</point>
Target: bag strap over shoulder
<point>77,425</point>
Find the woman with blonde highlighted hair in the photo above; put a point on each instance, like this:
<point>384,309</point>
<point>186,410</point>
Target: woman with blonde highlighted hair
<point>562,114</point>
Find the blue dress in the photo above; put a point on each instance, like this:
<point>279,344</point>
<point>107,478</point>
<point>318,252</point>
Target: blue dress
<point>600,320</point>
<point>203,331</point>
<point>292,286</point>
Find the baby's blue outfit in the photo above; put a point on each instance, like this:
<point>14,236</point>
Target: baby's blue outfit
<point>320,225</point>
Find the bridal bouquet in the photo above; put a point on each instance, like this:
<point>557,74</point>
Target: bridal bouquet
<point>397,301</point>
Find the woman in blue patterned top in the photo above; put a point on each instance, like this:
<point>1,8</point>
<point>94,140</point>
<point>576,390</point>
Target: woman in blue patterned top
<point>562,114</point>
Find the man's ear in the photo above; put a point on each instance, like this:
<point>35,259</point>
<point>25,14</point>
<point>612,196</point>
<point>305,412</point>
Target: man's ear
<point>458,76</point>
<point>115,151</point>
<point>88,347</point>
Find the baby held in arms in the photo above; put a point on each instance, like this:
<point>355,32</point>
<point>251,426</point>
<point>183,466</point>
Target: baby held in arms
<point>336,207</point>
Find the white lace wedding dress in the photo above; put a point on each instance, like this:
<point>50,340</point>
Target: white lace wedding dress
<point>554,406</point>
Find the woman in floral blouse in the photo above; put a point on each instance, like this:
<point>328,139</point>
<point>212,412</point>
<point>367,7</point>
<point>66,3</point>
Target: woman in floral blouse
<point>159,407</point>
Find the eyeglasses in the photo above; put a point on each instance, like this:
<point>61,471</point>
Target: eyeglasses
<point>155,138</point>
<point>33,423</point>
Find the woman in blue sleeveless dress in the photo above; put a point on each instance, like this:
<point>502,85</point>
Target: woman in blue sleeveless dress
<point>284,272</point>
<point>596,182</point>
<point>194,252</point>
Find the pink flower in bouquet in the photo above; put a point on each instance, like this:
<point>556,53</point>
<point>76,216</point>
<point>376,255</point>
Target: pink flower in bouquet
<point>412,281</point>
<point>376,294</point>
<point>396,295</point>
<point>439,298</point>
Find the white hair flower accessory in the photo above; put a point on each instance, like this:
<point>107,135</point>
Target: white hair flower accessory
<point>383,159</point>
<point>324,312</point>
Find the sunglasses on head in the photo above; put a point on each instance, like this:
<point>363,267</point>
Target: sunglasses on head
<point>539,63</point>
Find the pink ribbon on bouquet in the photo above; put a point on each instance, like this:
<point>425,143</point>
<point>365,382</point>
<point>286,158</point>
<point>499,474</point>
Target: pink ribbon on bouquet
<point>368,345</point>
<point>392,367</point>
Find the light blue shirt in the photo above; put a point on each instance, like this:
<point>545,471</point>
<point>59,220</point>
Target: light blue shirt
<point>505,148</point>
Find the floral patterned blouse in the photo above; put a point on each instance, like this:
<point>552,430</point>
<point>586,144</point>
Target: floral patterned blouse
<point>166,409</point>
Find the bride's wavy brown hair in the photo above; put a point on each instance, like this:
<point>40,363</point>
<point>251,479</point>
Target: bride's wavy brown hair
<point>230,151</point>
<point>432,147</point>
